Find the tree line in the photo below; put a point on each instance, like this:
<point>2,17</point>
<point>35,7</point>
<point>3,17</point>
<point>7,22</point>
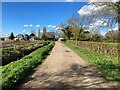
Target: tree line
<point>44,36</point>
<point>76,27</point>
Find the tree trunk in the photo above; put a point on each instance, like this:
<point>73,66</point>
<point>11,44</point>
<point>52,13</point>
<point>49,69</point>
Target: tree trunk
<point>76,42</point>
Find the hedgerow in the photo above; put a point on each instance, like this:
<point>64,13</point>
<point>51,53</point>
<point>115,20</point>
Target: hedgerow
<point>109,49</point>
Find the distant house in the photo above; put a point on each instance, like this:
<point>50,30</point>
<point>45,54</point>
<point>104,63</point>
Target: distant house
<point>7,39</point>
<point>33,37</point>
<point>19,37</point>
<point>26,37</point>
<point>22,37</point>
<point>61,39</point>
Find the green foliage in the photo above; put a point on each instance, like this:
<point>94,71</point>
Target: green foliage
<point>109,49</point>
<point>16,52</point>
<point>44,30</point>
<point>44,37</point>
<point>96,37</point>
<point>67,32</point>
<point>112,36</point>
<point>15,71</point>
<point>50,36</point>
<point>110,70</point>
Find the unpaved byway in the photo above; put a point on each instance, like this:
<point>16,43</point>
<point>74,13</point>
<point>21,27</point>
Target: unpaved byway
<point>65,69</point>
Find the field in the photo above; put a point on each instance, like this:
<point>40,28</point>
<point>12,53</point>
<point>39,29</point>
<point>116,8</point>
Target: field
<point>15,71</point>
<point>20,58</point>
<point>12,51</point>
<point>109,50</point>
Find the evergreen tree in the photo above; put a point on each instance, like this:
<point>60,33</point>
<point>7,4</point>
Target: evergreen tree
<point>44,30</point>
<point>44,36</point>
<point>11,37</point>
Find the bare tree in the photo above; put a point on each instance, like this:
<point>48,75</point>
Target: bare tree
<point>78,24</point>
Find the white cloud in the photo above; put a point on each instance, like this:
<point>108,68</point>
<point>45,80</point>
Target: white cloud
<point>50,26</point>
<point>90,9</point>
<point>97,24</point>
<point>115,29</point>
<point>4,34</point>
<point>96,10</point>
<point>103,1</point>
<point>30,25</point>
<point>115,0</point>
<point>101,23</point>
<point>27,32</point>
<point>24,30</point>
<point>58,28</point>
<point>99,0</point>
<point>37,25</point>
<point>26,25</point>
<point>54,27</point>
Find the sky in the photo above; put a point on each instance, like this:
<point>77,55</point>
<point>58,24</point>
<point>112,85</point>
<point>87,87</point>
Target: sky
<point>22,17</point>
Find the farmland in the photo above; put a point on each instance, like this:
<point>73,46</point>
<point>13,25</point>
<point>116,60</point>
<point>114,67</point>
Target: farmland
<point>12,51</point>
<point>15,71</point>
<point>60,45</point>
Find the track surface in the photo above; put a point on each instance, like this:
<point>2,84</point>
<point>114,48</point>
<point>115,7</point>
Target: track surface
<point>65,69</point>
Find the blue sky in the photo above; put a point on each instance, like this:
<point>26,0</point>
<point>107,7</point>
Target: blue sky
<point>17,14</point>
<point>22,17</point>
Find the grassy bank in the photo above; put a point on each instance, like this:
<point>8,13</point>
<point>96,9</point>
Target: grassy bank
<point>109,69</point>
<point>15,71</point>
<point>109,49</point>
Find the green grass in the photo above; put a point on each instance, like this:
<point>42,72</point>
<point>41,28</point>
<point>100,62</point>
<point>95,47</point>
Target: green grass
<point>15,71</point>
<point>109,69</point>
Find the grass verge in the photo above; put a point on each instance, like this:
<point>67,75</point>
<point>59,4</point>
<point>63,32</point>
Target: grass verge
<point>109,69</point>
<point>15,71</point>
